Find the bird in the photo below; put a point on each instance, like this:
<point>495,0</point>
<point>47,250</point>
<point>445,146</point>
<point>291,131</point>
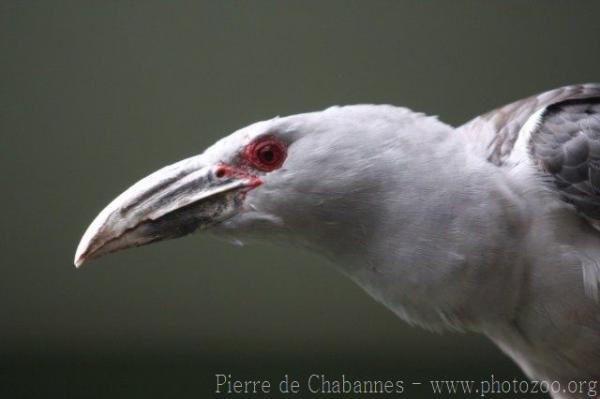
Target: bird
<point>490,227</point>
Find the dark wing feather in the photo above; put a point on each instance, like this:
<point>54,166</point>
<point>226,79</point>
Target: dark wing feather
<point>566,144</point>
<point>496,132</point>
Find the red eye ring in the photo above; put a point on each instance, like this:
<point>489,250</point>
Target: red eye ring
<point>266,154</point>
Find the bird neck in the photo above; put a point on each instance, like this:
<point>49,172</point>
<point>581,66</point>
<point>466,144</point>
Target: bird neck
<point>429,238</point>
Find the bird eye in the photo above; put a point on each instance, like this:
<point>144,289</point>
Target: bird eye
<point>266,154</point>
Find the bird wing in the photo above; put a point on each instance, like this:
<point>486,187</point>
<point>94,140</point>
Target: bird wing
<point>565,144</point>
<point>561,141</point>
<point>495,133</point>
<point>559,132</point>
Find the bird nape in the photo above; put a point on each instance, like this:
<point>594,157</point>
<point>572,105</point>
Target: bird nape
<point>490,227</point>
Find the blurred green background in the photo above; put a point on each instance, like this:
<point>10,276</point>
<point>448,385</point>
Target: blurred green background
<point>94,95</point>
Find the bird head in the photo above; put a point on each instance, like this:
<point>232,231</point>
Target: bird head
<point>310,175</point>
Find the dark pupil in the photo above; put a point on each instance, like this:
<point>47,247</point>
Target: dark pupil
<point>266,154</point>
